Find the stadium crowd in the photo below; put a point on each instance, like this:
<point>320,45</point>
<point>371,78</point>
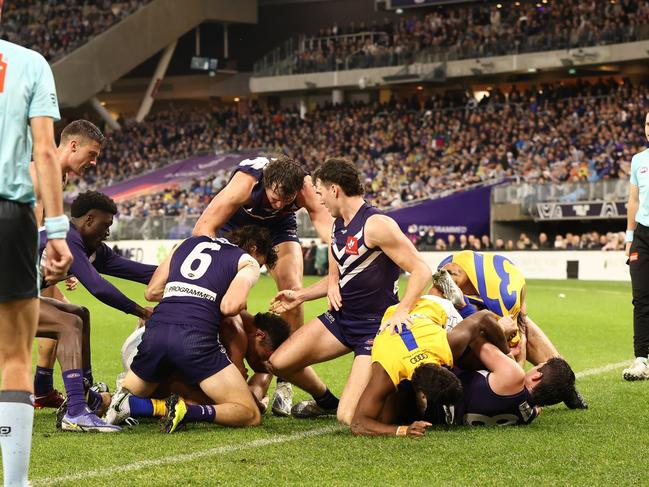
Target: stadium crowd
<point>56,27</point>
<point>479,30</point>
<point>409,149</point>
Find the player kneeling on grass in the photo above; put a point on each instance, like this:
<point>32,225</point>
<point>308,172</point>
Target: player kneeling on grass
<point>420,356</point>
<point>201,281</point>
<point>254,338</point>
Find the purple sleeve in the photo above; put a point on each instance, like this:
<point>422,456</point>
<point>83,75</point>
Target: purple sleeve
<point>108,262</point>
<point>96,285</point>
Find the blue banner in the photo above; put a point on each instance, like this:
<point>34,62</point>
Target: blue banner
<point>464,212</point>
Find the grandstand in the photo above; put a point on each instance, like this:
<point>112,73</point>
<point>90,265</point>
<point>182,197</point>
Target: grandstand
<point>499,126</point>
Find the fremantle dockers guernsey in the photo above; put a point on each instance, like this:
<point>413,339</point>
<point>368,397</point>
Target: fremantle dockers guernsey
<point>258,210</point>
<point>200,273</point>
<point>369,280</point>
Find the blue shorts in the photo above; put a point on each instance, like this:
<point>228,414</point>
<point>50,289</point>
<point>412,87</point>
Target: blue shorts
<point>167,348</point>
<point>281,229</point>
<point>357,335</point>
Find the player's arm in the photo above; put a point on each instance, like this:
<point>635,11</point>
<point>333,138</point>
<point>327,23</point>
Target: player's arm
<point>320,217</point>
<point>38,207</point>
<point>48,177</point>
<point>235,298</point>
<point>112,264</point>
<point>156,287</point>
<point>506,377</point>
<point>288,299</point>
<point>481,323</point>
<point>383,232</point>
<point>225,204</point>
<point>632,209</point>
<point>366,421</point>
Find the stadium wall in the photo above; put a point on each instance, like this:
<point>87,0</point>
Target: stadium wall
<point>594,265</point>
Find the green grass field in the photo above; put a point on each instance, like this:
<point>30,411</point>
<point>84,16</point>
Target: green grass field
<point>605,445</point>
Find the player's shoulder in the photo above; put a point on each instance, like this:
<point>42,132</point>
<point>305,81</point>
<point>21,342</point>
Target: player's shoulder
<point>22,54</point>
<point>641,156</point>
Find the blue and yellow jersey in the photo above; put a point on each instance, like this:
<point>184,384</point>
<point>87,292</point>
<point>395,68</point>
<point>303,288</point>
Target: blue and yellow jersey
<point>425,342</point>
<point>498,281</point>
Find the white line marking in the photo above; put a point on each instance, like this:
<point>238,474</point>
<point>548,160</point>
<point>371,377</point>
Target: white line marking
<point>599,370</point>
<point>586,290</point>
<point>119,469</point>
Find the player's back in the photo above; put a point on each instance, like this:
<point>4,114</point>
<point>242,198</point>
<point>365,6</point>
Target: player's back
<point>200,273</point>
<point>26,90</point>
<point>369,280</point>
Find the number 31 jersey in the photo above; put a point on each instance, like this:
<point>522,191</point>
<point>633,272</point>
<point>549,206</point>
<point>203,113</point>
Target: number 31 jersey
<point>200,273</point>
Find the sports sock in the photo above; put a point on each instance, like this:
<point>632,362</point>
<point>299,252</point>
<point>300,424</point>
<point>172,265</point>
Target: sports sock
<point>43,381</point>
<point>159,407</point>
<point>140,406</point>
<point>327,401</point>
<point>94,400</point>
<point>200,413</point>
<point>16,420</point>
<point>87,374</point>
<point>73,381</point>
<point>642,359</point>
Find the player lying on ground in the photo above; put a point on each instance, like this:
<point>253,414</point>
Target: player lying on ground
<point>253,338</point>
<point>69,325</point>
<point>200,282</point>
<point>369,250</point>
<point>267,192</point>
<point>419,356</point>
<point>79,148</point>
<point>492,281</point>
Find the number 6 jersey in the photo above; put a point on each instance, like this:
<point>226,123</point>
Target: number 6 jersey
<point>200,273</point>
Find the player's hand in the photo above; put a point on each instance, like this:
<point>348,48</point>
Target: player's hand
<point>397,322</point>
<point>57,260</point>
<point>334,299</point>
<point>71,283</point>
<point>417,429</point>
<point>148,311</point>
<point>285,301</point>
<point>508,326</point>
<point>627,249</point>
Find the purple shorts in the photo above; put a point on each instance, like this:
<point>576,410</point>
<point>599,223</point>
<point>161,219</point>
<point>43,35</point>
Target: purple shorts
<point>167,348</point>
<point>357,335</point>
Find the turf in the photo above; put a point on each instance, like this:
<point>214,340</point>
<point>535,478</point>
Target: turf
<point>591,326</point>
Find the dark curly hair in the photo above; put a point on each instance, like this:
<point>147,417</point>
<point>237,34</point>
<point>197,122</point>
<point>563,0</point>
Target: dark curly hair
<point>250,236</point>
<point>438,384</point>
<point>85,129</point>
<point>556,385</point>
<point>275,327</point>
<point>341,172</point>
<point>92,200</point>
<point>285,175</point>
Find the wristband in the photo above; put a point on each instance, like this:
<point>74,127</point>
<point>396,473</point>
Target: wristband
<point>402,430</point>
<point>57,226</point>
<point>629,235</point>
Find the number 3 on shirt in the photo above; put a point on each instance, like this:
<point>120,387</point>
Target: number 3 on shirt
<point>3,72</point>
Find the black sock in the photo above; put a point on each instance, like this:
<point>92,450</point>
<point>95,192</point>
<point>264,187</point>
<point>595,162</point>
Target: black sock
<point>327,401</point>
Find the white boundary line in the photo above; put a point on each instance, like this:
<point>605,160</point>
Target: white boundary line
<point>188,457</point>
<point>119,469</point>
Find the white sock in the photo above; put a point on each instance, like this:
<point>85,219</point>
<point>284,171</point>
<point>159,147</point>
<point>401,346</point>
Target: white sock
<point>642,359</point>
<point>16,420</point>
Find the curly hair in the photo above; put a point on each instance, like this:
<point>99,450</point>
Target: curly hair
<point>557,383</point>
<point>438,384</point>
<point>275,327</point>
<point>250,236</point>
<point>343,173</point>
<point>285,175</point>
<point>92,200</point>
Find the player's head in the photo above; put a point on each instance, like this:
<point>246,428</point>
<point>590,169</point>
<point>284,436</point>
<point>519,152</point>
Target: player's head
<point>283,178</point>
<point>257,242</point>
<point>335,179</point>
<point>81,143</point>
<point>646,125</point>
<point>434,384</point>
<point>271,331</point>
<point>550,382</point>
<point>92,214</point>
<point>1,3</point>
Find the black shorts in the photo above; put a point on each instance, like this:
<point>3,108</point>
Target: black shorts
<point>18,251</point>
<point>167,348</point>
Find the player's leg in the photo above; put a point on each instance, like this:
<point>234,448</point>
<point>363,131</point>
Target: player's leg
<point>539,347</point>
<point>357,381</point>
<point>287,274</point>
<point>639,268</point>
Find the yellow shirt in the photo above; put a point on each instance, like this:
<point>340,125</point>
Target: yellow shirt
<point>498,281</point>
<point>424,343</point>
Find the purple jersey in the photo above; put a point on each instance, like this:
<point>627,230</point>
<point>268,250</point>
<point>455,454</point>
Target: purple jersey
<point>481,406</point>
<point>369,280</point>
<point>200,273</point>
<point>258,210</point>
<point>88,265</point>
